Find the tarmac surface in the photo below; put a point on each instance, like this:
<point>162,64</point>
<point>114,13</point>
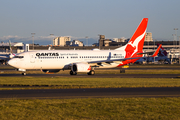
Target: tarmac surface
<point>120,75</point>
<point>90,93</point>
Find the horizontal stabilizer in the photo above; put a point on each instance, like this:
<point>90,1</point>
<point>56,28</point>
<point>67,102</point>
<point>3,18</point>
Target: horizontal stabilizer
<point>151,52</point>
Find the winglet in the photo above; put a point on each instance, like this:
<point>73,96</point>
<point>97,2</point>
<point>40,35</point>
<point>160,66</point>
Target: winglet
<point>157,51</point>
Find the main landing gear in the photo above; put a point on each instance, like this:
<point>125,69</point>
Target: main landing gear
<point>22,70</point>
<point>73,73</point>
<point>92,72</point>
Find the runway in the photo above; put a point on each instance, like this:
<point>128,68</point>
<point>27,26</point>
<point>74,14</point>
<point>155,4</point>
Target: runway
<point>90,93</point>
<point>120,75</point>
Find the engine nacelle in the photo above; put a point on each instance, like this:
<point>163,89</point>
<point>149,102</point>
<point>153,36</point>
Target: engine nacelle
<point>81,67</point>
<point>51,71</point>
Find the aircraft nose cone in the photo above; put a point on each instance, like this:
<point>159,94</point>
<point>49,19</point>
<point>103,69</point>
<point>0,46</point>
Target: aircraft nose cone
<point>12,62</point>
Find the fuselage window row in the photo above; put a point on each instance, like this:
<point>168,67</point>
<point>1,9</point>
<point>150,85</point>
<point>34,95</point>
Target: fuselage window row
<point>101,57</point>
<point>50,57</point>
<point>81,57</point>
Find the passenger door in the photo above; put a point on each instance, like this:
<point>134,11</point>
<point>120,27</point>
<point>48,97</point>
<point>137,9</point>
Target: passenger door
<point>32,59</point>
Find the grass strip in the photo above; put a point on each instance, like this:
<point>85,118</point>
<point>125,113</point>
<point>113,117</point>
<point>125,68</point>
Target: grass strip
<point>91,108</point>
<point>65,82</point>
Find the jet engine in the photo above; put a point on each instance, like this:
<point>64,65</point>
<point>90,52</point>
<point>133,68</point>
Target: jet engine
<point>51,71</point>
<point>80,67</point>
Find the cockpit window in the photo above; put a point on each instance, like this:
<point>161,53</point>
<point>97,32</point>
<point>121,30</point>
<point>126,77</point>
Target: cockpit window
<point>19,57</point>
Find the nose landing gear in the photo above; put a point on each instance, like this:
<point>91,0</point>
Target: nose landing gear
<point>23,73</point>
<point>22,70</point>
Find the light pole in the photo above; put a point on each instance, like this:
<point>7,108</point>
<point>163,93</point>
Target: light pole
<point>99,40</point>
<point>52,39</point>
<point>33,39</point>
<point>154,43</point>
<point>175,35</point>
<point>87,40</point>
<point>154,49</point>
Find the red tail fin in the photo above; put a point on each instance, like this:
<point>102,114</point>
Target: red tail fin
<point>157,51</point>
<point>162,51</point>
<point>137,41</point>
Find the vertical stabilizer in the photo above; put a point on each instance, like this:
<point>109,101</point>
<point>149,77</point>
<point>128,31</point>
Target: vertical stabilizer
<point>11,55</point>
<point>162,51</point>
<point>136,42</point>
<point>10,47</point>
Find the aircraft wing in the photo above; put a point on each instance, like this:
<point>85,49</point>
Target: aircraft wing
<point>152,51</point>
<point>108,62</point>
<point>4,56</point>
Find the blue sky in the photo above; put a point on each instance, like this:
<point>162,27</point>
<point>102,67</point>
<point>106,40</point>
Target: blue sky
<point>80,18</point>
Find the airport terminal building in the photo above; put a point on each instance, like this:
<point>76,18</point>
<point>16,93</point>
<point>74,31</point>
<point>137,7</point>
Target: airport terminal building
<point>65,43</point>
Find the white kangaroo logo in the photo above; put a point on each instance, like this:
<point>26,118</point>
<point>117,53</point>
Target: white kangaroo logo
<point>136,42</point>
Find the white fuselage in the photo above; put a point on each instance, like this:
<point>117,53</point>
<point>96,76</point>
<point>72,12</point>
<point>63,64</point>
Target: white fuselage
<point>83,60</point>
<point>59,59</point>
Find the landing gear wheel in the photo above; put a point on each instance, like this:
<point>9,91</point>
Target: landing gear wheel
<point>92,72</point>
<point>73,73</point>
<point>24,73</point>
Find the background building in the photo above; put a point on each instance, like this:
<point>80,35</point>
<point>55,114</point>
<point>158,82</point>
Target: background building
<point>123,39</point>
<point>76,43</point>
<point>148,37</point>
<point>103,41</point>
<point>17,47</point>
<point>61,41</point>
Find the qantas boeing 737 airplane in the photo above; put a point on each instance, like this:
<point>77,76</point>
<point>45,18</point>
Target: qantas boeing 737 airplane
<point>83,60</point>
